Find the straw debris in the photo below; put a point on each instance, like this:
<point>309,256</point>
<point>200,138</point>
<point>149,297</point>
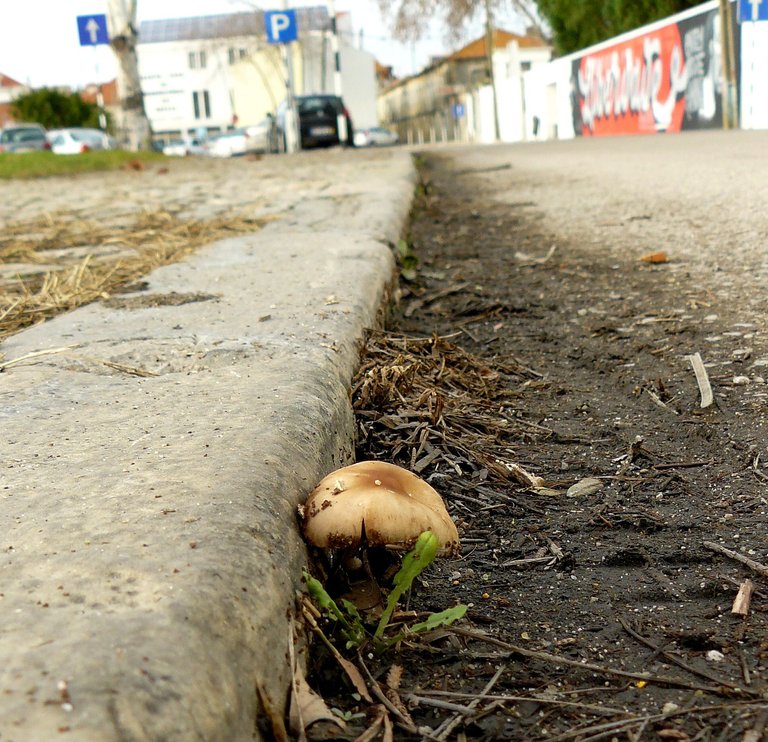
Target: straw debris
<point>86,260</point>
<point>429,406</point>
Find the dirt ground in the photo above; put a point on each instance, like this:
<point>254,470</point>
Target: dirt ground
<point>604,611</point>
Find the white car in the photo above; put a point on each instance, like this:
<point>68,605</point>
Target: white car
<point>376,136</point>
<point>78,140</point>
<point>238,142</point>
<point>258,136</point>
<point>184,147</point>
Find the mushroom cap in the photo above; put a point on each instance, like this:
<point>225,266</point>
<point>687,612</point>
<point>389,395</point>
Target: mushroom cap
<point>389,504</point>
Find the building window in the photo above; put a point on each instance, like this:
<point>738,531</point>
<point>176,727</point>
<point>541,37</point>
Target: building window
<point>197,60</point>
<point>232,55</point>
<point>201,102</point>
<point>525,66</point>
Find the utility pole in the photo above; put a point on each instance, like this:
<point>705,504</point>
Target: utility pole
<point>123,36</point>
<point>341,119</point>
<point>728,55</point>
<point>489,55</point>
<point>292,131</point>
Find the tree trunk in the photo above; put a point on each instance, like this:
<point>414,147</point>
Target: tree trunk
<point>133,125</point>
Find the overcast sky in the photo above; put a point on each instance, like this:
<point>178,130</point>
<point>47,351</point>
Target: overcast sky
<point>39,42</point>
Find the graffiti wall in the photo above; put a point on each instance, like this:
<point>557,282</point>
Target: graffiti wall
<point>664,80</point>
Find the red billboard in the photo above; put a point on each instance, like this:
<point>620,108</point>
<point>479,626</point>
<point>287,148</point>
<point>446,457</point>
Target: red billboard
<point>664,80</point>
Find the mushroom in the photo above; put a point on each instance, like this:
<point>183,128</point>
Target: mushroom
<point>373,503</point>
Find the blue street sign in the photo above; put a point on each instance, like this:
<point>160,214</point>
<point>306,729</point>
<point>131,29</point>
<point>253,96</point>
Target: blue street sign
<point>458,110</point>
<point>281,26</point>
<point>92,30</point>
<point>753,10</point>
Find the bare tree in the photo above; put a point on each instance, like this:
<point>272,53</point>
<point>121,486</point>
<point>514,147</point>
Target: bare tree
<point>123,38</point>
<point>409,18</point>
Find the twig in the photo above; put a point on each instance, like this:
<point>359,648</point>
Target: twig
<point>757,472</point>
<point>672,658</point>
<point>444,730</point>
<point>594,708</point>
<point>660,402</point>
<point>7,364</point>
<point>682,465</point>
<point>379,693</point>
<point>702,379</point>
<point>743,598</point>
<point>644,720</point>
<point>446,705</point>
<point>751,563</point>
<point>745,668</point>
<point>658,679</point>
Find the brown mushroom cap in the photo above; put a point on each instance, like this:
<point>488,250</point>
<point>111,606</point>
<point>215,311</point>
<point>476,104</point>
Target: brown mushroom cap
<point>388,503</point>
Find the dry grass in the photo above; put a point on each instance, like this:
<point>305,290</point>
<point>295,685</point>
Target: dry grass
<point>425,404</point>
<point>134,246</point>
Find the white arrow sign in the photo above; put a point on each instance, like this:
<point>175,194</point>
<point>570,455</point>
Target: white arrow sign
<point>93,30</point>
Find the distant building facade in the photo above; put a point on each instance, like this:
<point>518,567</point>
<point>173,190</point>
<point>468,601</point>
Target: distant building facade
<point>211,73</point>
<point>444,102</point>
<point>10,89</point>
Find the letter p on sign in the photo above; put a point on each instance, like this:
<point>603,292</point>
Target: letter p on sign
<point>280,26</point>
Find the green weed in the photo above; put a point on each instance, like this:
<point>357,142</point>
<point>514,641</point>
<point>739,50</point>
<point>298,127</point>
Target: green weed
<point>349,619</point>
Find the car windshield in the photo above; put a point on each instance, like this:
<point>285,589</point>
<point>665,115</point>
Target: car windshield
<point>85,136</point>
<point>21,135</point>
<point>316,103</point>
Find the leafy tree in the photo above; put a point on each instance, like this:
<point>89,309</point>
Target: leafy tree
<point>576,24</point>
<point>54,109</point>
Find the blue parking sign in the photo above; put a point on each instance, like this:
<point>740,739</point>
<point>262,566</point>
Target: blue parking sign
<point>92,30</point>
<point>280,26</point>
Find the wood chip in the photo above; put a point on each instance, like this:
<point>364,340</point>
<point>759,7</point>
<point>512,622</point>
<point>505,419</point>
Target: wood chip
<point>702,379</point>
<point>743,598</point>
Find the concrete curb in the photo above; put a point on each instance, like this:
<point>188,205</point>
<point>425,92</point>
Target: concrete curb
<point>150,549</point>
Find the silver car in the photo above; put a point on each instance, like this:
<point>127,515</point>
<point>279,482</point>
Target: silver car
<point>24,138</point>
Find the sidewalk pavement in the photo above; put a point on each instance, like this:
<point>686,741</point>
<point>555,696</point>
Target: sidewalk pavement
<point>150,549</point>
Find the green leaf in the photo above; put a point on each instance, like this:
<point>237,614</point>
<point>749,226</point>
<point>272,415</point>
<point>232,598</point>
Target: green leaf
<point>434,621</point>
<point>443,618</point>
<point>407,259</point>
<point>353,630</point>
<point>414,563</point>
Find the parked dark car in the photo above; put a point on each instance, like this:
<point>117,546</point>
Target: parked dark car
<point>24,138</point>
<point>318,122</point>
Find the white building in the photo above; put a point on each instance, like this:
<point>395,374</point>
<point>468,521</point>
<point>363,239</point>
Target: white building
<point>213,72</point>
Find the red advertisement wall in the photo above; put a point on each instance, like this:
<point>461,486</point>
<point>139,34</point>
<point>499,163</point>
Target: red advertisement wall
<point>666,80</point>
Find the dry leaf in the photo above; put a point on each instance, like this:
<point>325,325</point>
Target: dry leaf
<point>354,675</point>
<point>381,719</point>
<point>307,707</point>
<point>655,257</point>
<point>587,486</point>
<point>394,676</point>
<point>673,734</point>
<point>521,476</point>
